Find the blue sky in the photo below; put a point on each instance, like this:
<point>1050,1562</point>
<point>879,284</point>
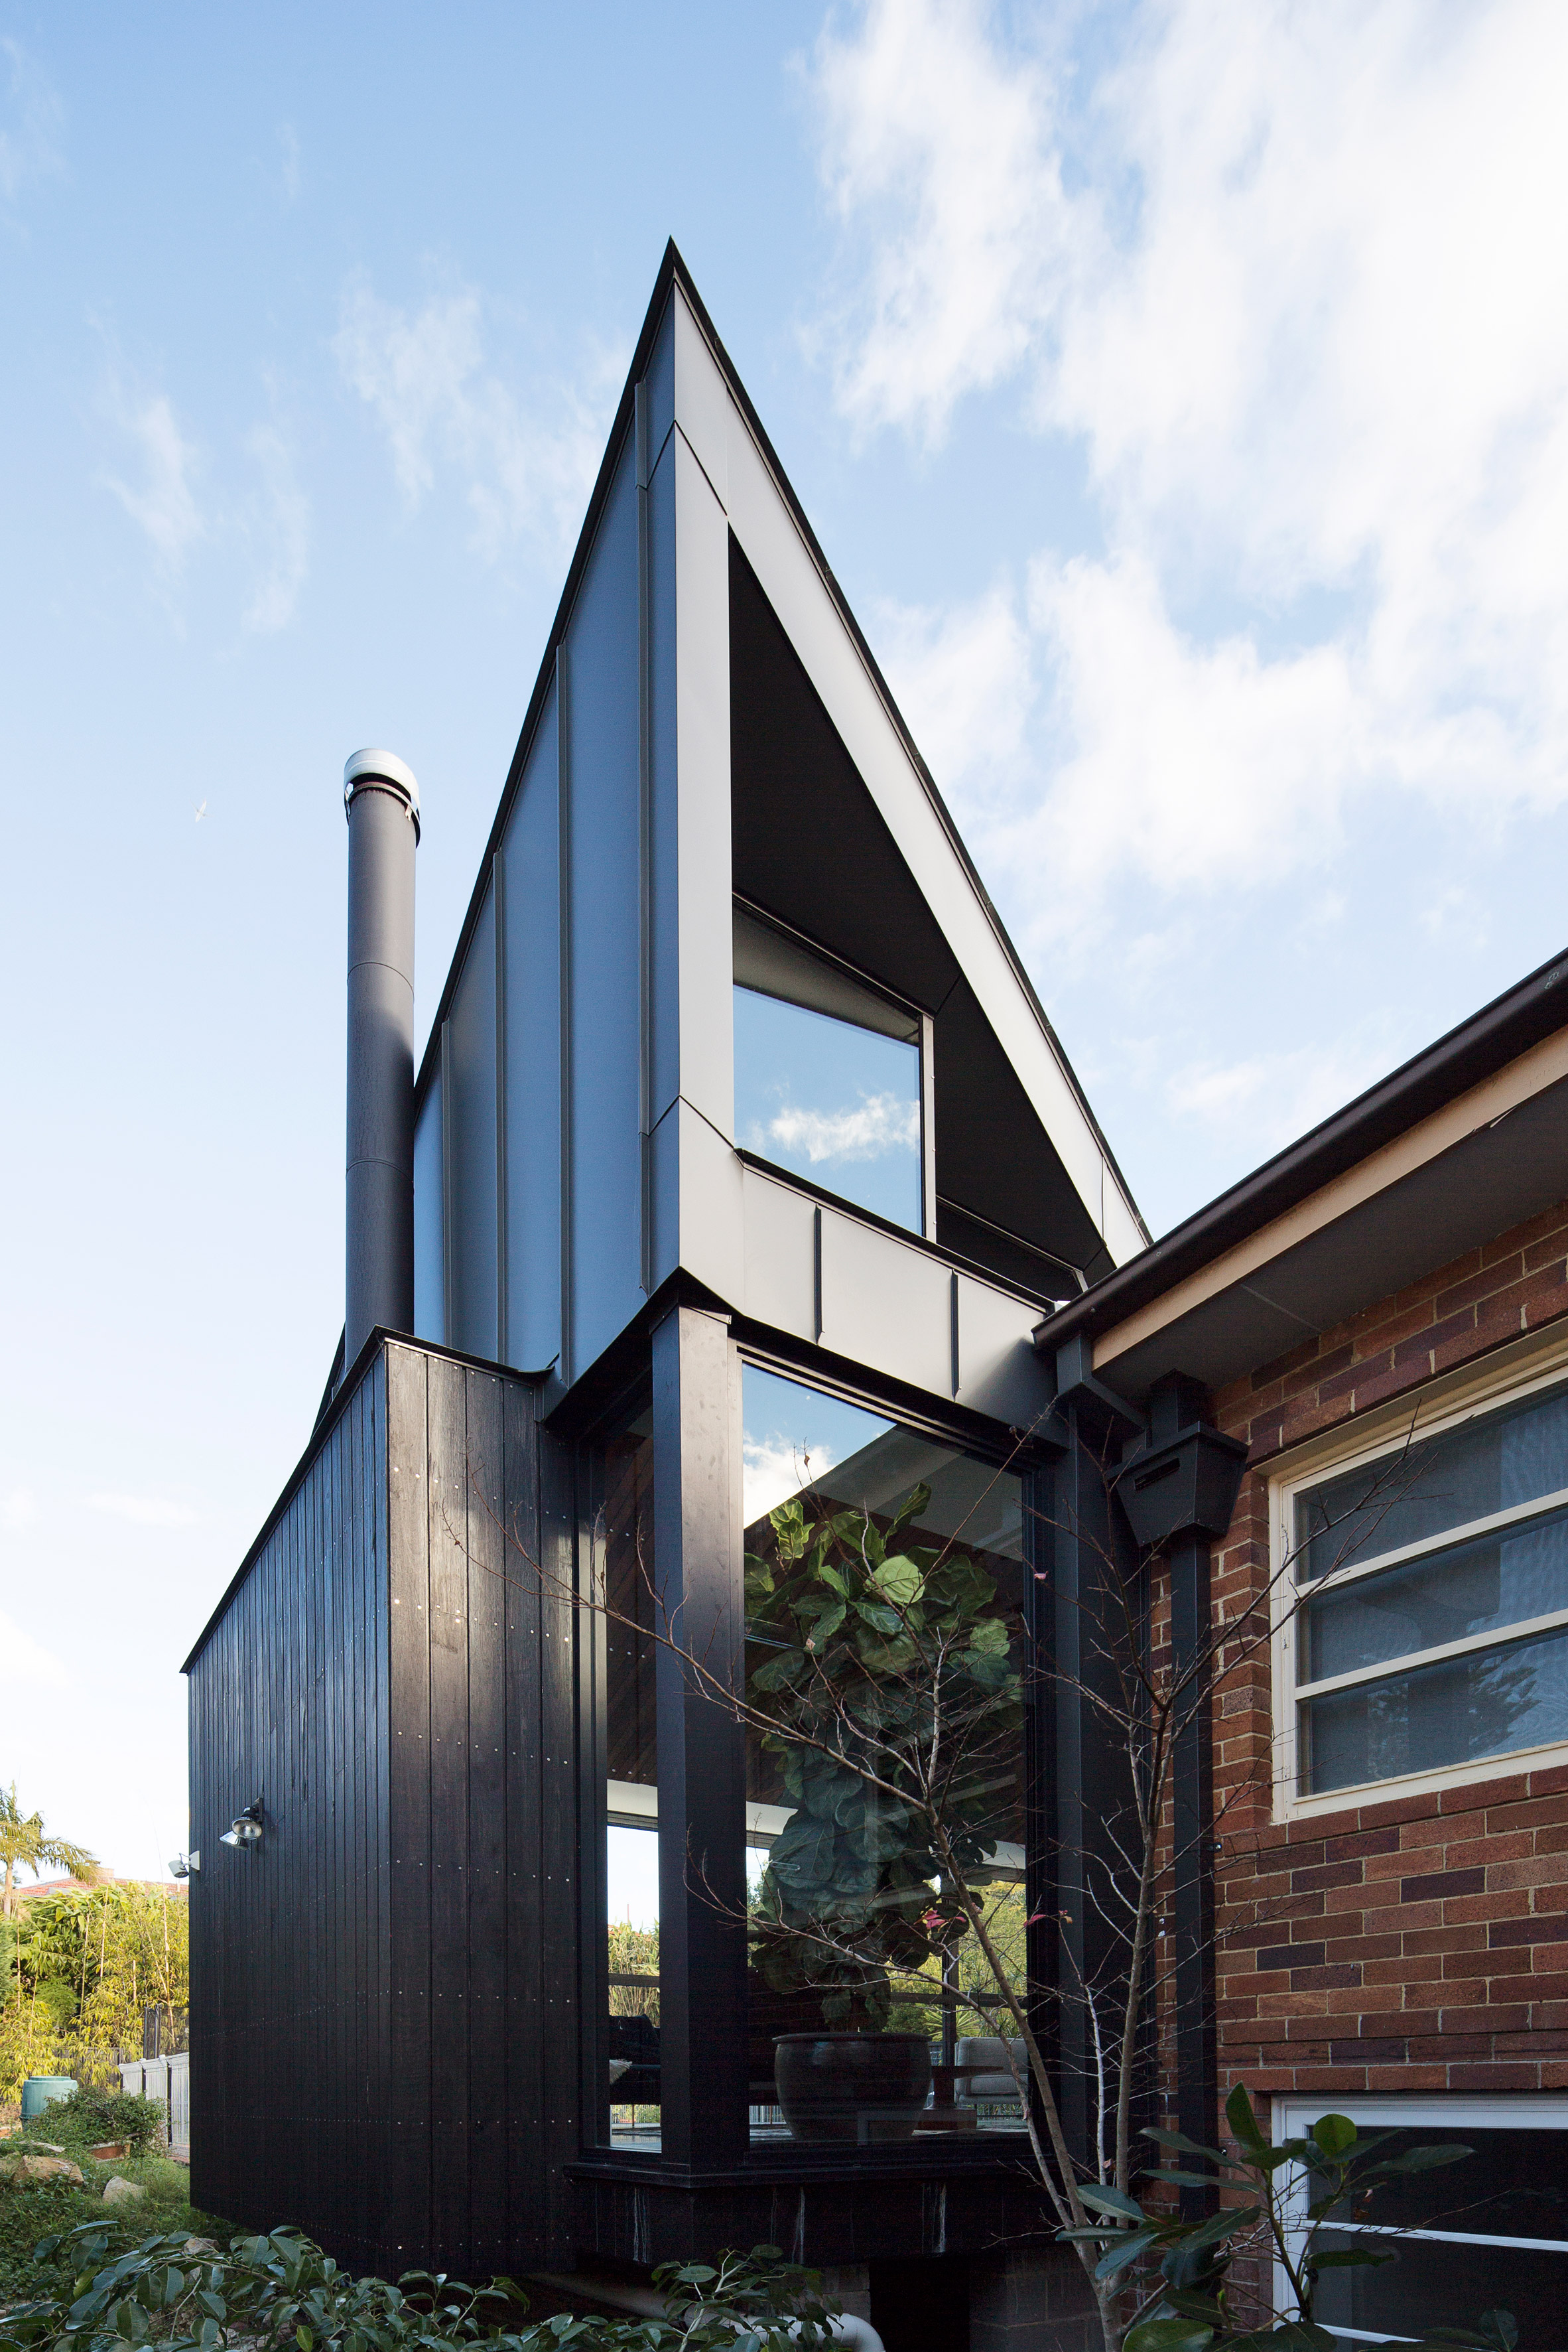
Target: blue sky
<point>1179,393</point>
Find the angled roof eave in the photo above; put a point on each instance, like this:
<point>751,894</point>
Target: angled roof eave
<point>673,274</point>
<point>1479,1050</point>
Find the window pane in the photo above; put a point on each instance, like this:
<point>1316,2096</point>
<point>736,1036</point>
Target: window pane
<point>829,1100</point>
<point>1514,2184</point>
<point>1491,1464</point>
<point>868,1543</point>
<point>1430,2284</point>
<point>1471,1588</point>
<point>1454,1711</point>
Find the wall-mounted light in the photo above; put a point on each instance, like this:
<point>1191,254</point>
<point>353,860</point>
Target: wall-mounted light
<point>246,1828</point>
<point>185,1865</point>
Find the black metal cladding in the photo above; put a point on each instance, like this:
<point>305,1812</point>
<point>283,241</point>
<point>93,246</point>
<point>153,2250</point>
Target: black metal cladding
<point>385,1990</point>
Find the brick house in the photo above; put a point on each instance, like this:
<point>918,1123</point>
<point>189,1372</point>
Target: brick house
<point>1381,1313</point>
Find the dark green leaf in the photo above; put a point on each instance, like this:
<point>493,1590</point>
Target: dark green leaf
<point>1111,2200</point>
<point>1239,2115</point>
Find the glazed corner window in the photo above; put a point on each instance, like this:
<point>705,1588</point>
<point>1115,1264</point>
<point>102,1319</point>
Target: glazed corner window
<point>828,1074</point>
<point>1429,1600</point>
<point>884,1579</point>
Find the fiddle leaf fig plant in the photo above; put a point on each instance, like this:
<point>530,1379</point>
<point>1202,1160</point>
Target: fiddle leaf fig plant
<point>888,1669</point>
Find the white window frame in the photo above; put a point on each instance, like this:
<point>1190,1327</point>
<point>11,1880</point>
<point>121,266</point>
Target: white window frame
<point>1442,2115</point>
<point>1432,1411</point>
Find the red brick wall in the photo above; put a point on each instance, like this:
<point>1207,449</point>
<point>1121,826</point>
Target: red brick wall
<point>1420,1943</point>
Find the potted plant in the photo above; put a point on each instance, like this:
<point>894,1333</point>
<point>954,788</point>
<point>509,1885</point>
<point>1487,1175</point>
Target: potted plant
<point>888,1669</point>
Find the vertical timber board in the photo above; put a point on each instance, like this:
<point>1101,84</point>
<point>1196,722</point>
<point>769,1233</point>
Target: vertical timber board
<point>487,1823</point>
<point>408,1552</point>
<point>525,1818</point>
<point>557,1924</point>
<point>283,2081</point>
<point>449,1854</point>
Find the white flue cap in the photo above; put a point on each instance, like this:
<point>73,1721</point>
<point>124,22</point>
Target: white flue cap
<point>382,768</point>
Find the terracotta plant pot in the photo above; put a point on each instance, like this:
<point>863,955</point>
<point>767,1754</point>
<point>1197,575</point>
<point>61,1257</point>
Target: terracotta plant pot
<point>110,2151</point>
<point>858,2088</point>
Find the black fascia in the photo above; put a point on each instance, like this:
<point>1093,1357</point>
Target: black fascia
<point>1536,1008</point>
<point>672,273</point>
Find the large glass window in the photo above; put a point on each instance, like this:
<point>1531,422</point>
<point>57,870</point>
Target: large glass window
<point>1488,2232</point>
<point>885,1588</point>
<point>630,2045</point>
<point>827,1075</point>
<point>1429,1596</point>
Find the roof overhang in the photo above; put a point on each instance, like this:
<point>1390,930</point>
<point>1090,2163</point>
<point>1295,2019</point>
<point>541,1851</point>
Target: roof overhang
<point>1464,1143</point>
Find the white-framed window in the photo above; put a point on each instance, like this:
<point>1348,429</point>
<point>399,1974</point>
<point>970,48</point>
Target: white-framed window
<point>1421,1594</point>
<point>1488,2233</point>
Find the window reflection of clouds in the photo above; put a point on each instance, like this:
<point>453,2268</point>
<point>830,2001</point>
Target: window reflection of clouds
<point>831,1101</point>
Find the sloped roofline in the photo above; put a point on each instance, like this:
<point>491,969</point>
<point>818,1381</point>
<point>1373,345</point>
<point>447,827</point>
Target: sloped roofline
<point>1536,1008</point>
<point>672,273</point>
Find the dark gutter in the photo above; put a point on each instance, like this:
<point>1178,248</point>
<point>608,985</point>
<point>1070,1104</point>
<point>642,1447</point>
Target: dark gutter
<point>672,272</point>
<point>1536,1008</point>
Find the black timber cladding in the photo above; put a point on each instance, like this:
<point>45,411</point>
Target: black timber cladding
<point>385,1990</point>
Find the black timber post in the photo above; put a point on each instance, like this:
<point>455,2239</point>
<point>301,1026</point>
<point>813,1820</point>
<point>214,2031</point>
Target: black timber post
<point>1089,1769</point>
<point>702,1757</point>
<point>1177,1494</point>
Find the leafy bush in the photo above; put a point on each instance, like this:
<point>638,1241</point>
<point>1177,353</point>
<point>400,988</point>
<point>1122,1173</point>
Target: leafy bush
<point>89,2117</point>
<point>100,2293</point>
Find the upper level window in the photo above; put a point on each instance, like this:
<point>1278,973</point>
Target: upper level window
<point>1426,1619</point>
<point>827,1075</point>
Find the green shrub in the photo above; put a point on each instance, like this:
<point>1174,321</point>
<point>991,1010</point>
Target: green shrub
<point>89,2117</point>
<point>97,2290</point>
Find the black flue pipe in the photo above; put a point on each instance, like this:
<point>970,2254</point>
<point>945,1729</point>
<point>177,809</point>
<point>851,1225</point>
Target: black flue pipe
<point>381,801</point>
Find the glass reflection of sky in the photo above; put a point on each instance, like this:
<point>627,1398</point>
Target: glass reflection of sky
<point>631,1893</point>
<point>793,1437</point>
<point>829,1101</point>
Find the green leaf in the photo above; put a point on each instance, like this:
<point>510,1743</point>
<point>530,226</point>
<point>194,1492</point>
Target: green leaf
<point>1168,2336</point>
<point>1111,2201</point>
<point>1334,2134</point>
<point>899,1580</point>
<point>779,1671</point>
<point>989,1638</point>
<point>826,1626</point>
<point>1239,2115</point>
<point>1180,2139</point>
<point>1349,2262</point>
<point>1125,2250</point>
<point>1425,2159</point>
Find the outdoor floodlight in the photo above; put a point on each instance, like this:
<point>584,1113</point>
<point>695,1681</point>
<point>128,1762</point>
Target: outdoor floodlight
<point>246,1828</point>
<point>185,1865</point>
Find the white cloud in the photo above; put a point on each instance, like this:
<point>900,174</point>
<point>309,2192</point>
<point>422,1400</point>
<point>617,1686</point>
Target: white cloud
<point>20,1508</point>
<point>1266,1100</point>
<point>29,147</point>
<point>439,404</point>
<point>24,1660</point>
<point>774,1468</point>
<point>164,502</point>
<point>879,1124</point>
<point>1291,285</point>
<point>279,523</point>
<point>143,1510</point>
